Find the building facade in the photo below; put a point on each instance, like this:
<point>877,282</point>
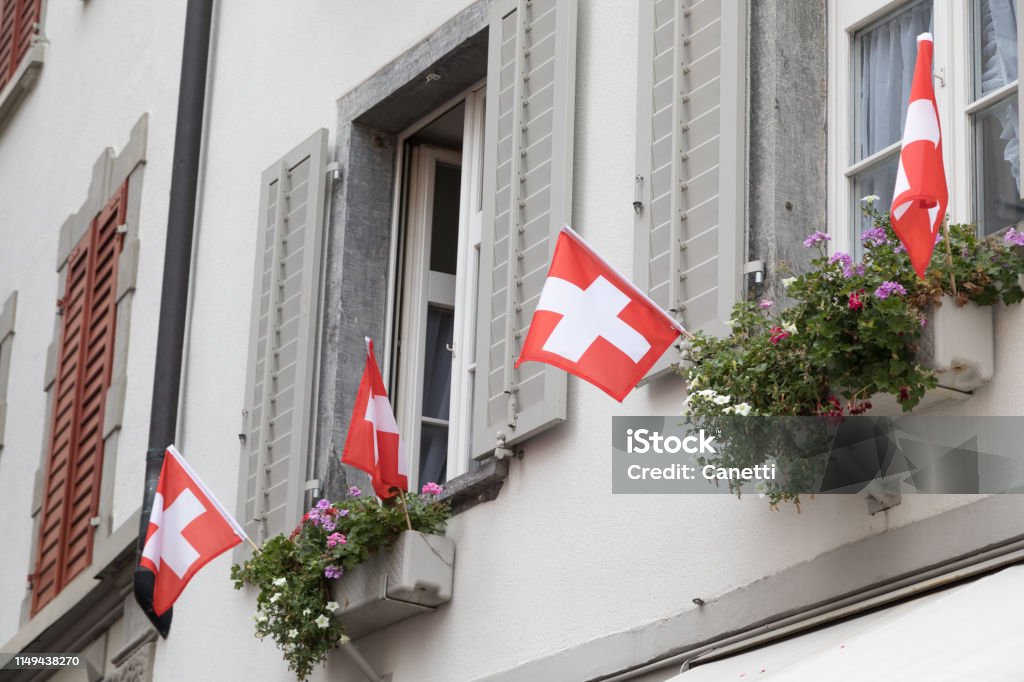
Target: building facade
<point>399,171</point>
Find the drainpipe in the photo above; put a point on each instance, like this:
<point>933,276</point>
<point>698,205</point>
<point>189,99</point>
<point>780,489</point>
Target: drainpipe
<point>177,265</point>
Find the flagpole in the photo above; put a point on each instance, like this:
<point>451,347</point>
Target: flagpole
<point>405,508</point>
<point>254,545</point>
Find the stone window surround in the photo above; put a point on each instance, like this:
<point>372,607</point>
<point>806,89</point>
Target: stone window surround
<point>370,119</point>
<point>110,171</point>
<point>8,313</point>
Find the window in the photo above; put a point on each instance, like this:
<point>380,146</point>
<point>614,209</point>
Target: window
<point>84,366</point>
<point>19,23</point>
<point>873,53</point>
<point>439,248</point>
<point>993,113</point>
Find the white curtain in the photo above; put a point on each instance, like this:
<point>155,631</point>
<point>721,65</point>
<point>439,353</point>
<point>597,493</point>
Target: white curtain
<point>887,53</point>
<point>998,43</point>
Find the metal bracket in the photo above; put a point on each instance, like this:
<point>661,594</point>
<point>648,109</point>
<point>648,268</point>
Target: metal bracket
<point>755,268</point>
<point>312,490</point>
<point>883,494</point>
<point>333,171</point>
<point>364,666</point>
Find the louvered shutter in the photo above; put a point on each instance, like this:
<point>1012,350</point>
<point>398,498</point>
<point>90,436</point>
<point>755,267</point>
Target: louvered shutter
<point>279,386</point>
<point>18,25</point>
<point>690,170</point>
<point>527,198</point>
<point>75,463</point>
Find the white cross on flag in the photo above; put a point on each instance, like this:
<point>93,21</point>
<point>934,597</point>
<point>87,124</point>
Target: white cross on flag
<point>188,528</point>
<point>594,323</point>
<point>373,443</point>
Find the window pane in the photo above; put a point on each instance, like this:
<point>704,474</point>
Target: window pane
<point>995,44</point>
<point>444,233</point>
<point>998,166</point>
<point>433,453</point>
<point>437,365</point>
<point>885,54</point>
<point>880,181</point>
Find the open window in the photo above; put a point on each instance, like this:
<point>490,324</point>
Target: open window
<point>438,257</point>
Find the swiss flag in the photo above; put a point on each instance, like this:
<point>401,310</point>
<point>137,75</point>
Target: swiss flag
<point>594,323</point>
<point>188,528</point>
<point>920,197</point>
<point>373,443</point>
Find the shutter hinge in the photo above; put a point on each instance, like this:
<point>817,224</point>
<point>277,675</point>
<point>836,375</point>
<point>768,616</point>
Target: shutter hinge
<point>312,490</point>
<point>638,185</point>
<point>30,579</point>
<point>333,171</point>
<point>60,306</point>
<point>96,521</point>
<point>122,228</point>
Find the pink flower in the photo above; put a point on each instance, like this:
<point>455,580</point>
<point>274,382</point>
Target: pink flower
<point>335,539</point>
<point>778,334</point>
<point>431,489</point>
<point>333,572</point>
<point>353,491</point>
<point>766,304</point>
<point>855,303</point>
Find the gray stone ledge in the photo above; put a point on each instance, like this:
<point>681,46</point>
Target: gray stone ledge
<point>475,487</point>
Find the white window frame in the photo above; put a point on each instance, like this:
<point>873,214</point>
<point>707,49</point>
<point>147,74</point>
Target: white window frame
<point>954,95</point>
<point>407,304</point>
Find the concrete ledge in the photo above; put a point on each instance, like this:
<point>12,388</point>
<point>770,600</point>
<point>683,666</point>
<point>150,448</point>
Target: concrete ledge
<point>7,316</point>
<point>474,487</point>
<point>22,83</point>
<point>911,553</point>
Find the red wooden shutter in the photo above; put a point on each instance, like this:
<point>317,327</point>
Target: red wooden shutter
<point>18,23</point>
<point>75,463</point>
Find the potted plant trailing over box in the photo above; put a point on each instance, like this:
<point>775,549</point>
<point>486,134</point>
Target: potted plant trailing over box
<point>295,573</point>
<point>854,331</point>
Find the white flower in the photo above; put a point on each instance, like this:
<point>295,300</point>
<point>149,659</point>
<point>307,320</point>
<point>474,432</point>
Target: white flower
<point>322,622</point>
<point>277,595</point>
<point>742,409</point>
<point>729,410</point>
<point>870,199</point>
<point>333,606</point>
<point>721,399</point>
<point>306,612</point>
<point>293,633</point>
<point>280,582</point>
<point>789,327</point>
<point>344,639</point>
<point>729,323</point>
<point>707,393</point>
<point>788,281</point>
<point>261,617</point>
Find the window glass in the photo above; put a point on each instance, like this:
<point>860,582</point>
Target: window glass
<point>998,166</point>
<point>879,180</point>
<point>995,44</point>
<point>437,389</point>
<point>886,53</point>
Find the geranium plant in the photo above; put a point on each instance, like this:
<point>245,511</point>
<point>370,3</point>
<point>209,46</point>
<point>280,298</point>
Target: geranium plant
<point>852,331</point>
<point>293,573</point>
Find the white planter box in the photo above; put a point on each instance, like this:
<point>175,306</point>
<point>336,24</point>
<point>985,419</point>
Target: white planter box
<point>413,576</point>
<point>959,344</point>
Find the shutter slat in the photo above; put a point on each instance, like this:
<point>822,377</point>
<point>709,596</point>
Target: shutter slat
<point>527,198</point>
<point>279,400</point>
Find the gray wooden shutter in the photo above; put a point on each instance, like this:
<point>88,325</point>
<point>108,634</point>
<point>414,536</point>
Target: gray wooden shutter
<point>278,412</point>
<point>531,75</point>
<point>7,315</point>
<point>690,160</point>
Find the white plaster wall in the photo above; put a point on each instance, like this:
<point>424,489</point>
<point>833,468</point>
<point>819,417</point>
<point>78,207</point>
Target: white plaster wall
<point>556,560</point>
<point>106,65</point>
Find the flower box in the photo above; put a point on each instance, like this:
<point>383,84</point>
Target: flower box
<point>959,344</point>
<point>412,576</point>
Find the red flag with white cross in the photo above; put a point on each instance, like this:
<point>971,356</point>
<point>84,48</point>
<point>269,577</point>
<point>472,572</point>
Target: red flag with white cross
<point>920,196</point>
<point>373,443</point>
<point>188,528</point>
<point>594,323</point>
